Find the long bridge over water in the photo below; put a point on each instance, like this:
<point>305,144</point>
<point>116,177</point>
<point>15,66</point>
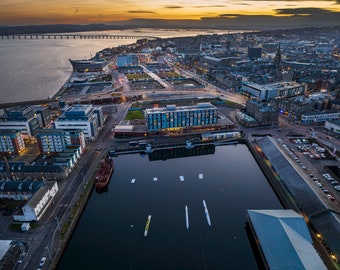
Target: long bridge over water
<point>74,36</point>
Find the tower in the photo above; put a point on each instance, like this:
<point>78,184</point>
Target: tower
<point>277,64</point>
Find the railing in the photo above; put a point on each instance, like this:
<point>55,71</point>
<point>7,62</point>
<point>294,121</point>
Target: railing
<point>73,36</point>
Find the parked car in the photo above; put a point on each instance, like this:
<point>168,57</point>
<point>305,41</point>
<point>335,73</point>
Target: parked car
<point>42,261</point>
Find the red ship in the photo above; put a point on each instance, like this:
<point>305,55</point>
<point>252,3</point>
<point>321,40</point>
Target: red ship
<point>104,173</point>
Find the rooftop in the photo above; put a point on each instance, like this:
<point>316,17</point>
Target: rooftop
<point>169,108</point>
<point>285,240</point>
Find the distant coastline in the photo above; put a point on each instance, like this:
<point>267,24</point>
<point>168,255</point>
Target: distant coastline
<point>151,24</point>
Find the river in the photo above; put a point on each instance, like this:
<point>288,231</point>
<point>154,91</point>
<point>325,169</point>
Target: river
<point>33,69</point>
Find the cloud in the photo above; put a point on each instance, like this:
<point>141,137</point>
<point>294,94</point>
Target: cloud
<point>302,11</point>
<point>241,2</point>
<point>173,7</point>
<point>141,11</point>
<point>212,6</point>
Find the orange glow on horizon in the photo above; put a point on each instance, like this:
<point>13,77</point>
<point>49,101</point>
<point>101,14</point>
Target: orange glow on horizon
<point>86,11</point>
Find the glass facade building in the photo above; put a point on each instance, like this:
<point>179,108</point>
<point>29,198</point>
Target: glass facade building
<point>171,117</point>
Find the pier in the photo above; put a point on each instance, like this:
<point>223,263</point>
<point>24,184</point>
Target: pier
<point>74,36</point>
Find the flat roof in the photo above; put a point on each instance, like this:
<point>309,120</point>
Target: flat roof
<point>5,245</point>
<point>174,108</point>
<point>273,86</point>
<point>285,240</point>
<point>324,220</point>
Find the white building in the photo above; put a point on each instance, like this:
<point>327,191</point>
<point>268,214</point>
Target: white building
<point>273,90</point>
<point>84,117</point>
<point>57,140</point>
<point>317,117</point>
<point>333,126</point>
<point>34,209</point>
<point>22,118</point>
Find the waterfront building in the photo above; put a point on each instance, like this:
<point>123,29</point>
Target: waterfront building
<point>174,118</point>
<point>84,117</point>
<point>52,141</point>
<point>11,141</point>
<point>297,188</point>
<point>23,118</point>
<point>94,64</point>
<point>319,116</point>
<point>34,209</point>
<point>284,240</point>
<point>273,90</point>
<point>127,60</point>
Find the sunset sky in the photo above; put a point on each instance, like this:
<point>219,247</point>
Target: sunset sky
<point>23,12</point>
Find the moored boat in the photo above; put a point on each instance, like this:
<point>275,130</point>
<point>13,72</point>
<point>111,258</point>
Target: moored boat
<point>104,173</point>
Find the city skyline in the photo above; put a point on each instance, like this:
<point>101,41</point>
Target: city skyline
<point>28,12</point>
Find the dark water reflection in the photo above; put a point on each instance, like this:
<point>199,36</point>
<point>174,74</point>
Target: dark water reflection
<point>110,234</point>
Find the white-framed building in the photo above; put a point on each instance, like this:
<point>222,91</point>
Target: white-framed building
<point>172,117</point>
<point>56,140</point>
<point>84,117</point>
<point>23,118</point>
<point>34,209</point>
<point>333,125</point>
<point>68,158</point>
<point>319,117</point>
<point>273,90</point>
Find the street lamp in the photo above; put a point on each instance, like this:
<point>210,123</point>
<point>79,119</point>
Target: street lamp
<point>57,219</point>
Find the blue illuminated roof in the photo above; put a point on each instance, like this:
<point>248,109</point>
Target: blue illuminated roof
<point>285,240</point>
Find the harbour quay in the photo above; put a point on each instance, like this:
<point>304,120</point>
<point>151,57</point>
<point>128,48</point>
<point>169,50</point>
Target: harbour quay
<point>292,187</point>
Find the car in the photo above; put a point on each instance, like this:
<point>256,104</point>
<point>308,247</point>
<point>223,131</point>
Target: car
<point>42,261</point>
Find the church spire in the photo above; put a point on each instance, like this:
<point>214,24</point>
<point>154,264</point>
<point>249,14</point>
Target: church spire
<point>277,63</point>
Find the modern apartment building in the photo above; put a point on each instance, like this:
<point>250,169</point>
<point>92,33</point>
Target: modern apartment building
<point>273,90</point>
<point>23,118</point>
<point>173,117</point>
<point>56,140</point>
<point>11,141</point>
<point>84,117</point>
<point>318,117</point>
